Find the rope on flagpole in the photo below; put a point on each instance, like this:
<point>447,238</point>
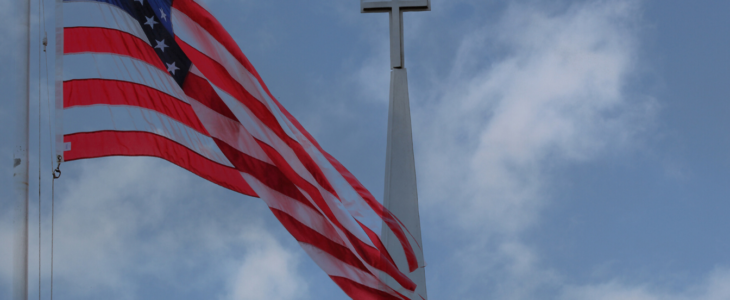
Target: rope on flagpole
<point>55,173</point>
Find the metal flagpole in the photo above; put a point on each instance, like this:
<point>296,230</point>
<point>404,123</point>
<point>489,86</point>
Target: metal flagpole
<point>20,160</point>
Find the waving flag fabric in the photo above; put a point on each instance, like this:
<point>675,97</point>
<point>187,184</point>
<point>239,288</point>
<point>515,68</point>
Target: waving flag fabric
<point>163,78</point>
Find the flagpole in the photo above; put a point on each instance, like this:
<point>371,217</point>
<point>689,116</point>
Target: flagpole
<point>20,159</point>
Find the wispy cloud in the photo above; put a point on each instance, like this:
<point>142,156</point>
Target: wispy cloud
<point>544,89</point>
<point>715,287</point>
<point>268,271</point>
<point>554,94</point>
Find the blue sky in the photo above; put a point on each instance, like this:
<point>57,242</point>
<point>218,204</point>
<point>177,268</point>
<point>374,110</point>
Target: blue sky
<point>565,150</point>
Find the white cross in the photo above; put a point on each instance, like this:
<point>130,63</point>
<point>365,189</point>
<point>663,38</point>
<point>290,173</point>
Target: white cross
<point>396,9</point>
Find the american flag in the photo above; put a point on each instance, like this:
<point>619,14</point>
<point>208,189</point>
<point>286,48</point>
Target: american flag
<point>162,78</point>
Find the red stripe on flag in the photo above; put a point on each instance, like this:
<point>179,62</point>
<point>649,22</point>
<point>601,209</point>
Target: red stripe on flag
<point>206,20</point>
<point>311,166</point>
<point>199,89</point>
<point>113,92</point>
<point>304,234</point>
<point>269,175</point>
<point>220,77</point>
<point>361,292</point>
<point>386,215</point>
<point>379,261</point>
<point>104,40</point>
<point>376,240</point>
<point>133,143</point>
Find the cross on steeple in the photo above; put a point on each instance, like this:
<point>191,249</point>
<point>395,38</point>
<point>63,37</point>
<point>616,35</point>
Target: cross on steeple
<point>396,9</point>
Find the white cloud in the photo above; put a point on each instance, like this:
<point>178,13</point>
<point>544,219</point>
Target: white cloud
<point>611,291</point>
<point>99,217</point>
<point>373,75</point>
<point>544,89</point>
<point>556,97</point>
<point>267,272</point>
<point>715,287</point>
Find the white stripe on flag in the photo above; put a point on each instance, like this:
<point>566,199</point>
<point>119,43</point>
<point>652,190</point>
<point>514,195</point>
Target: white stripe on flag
<point>352,201</point>
<point>294,208</point>
<point>344,218</point>
<point>123,68</point>
<point>198,38</point>
<point>335,267</point>
<point>229,131</point>
<point>100,14</point>
<point>262,133</point>
<point>102,117</point>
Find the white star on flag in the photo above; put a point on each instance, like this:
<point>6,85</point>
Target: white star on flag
<point>151,22</point>
<point>172,68</point>
<point>161,45</point>
<point>162,14</point>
